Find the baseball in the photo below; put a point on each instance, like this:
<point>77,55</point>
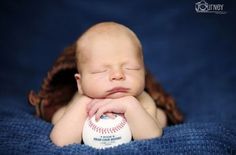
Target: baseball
<point>106,132</point>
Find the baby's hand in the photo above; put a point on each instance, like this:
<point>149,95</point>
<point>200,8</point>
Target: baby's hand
<point>98,107</point>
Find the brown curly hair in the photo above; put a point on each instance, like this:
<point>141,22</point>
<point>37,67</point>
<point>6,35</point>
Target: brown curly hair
<point>59,86</point>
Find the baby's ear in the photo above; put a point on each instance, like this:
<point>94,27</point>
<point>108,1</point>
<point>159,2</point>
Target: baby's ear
<point>78,81</point>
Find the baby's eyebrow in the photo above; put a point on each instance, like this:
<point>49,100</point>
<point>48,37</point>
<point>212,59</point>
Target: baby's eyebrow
<point>132,63</point>
<point>97,66</point>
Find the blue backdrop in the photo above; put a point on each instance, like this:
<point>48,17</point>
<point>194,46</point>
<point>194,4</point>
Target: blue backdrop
<point>192,54</point>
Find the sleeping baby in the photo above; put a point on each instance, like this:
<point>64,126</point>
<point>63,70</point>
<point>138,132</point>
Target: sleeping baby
<point>111,79</point>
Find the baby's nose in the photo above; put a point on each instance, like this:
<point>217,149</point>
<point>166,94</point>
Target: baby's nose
<point>117,75</point>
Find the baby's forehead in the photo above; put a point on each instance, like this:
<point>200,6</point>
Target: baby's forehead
<point>108,30</point>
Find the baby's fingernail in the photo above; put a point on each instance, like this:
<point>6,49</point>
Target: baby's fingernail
<point>97,118</point>
<point>89,115</point>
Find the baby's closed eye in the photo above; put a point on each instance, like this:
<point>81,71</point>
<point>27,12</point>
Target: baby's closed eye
<point>98,71</point>
<point>132,67</point>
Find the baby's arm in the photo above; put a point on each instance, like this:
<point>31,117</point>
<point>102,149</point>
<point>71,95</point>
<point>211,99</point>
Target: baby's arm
<point>68,127</point>
<point>142,124</point>
<point>149,105</point>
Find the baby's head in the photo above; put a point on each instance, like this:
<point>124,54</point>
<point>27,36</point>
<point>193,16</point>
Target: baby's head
<point>110,62</point>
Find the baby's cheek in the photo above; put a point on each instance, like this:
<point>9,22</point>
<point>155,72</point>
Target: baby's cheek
<point>94,90</point>
<point>138,85</point>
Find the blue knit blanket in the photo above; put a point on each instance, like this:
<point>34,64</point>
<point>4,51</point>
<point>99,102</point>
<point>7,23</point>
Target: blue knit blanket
<point>23,133</point>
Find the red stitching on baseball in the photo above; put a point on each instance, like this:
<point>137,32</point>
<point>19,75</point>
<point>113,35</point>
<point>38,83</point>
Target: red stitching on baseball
<point>95,128</point>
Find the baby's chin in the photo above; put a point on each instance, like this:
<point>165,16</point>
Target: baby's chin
<point>117,95</point>
<point>112,96</point>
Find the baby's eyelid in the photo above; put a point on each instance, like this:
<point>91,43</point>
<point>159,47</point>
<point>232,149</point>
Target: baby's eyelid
<point>99,71</point>
<point>133,68</point>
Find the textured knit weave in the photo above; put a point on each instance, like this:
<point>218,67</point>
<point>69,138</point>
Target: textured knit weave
<point>22,133</point>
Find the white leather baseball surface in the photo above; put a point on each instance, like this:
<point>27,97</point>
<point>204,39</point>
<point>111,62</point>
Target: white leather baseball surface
<point>106,132</point>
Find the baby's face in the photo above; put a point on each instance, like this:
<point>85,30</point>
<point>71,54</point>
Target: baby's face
<point>113,68</point>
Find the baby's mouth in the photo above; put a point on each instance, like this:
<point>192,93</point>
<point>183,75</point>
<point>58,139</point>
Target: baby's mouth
<point>117,90</point>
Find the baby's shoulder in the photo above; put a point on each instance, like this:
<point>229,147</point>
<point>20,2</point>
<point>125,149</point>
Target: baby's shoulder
<point>146,100</point>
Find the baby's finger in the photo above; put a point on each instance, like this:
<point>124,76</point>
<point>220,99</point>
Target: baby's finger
<point>90,105</point>
<point>96,106</point>
<point>101,111</point>
<point>110,115</point>
<point>93,109</point>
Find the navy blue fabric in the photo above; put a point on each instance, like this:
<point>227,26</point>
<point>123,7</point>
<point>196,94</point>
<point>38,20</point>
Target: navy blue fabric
<point>192,54</point>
